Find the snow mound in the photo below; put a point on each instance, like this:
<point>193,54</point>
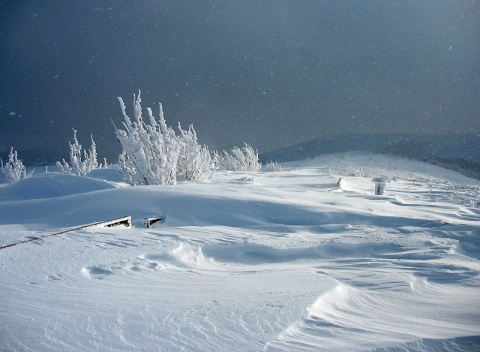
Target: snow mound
<point>109,174</point>
<point>51,185</point>
<point>295,261</point>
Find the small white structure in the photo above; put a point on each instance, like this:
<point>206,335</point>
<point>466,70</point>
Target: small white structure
<point>380,185</point>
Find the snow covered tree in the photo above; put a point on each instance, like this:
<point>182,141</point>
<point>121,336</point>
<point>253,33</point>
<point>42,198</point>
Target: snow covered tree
<point>240,159</point>
<point>150,151</point>
<point>226,161</point>
<point>64,167</point>
<point>153,154</point>
<point>80,166</point>
<point>194,159</point>
<point>272,166</point>
<point>14,169</point>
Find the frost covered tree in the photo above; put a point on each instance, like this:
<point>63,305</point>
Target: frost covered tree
<point>80,165</point>
<point>14,169</point>
<point>194,159</point>
<point>272,166</point>
<point>240,159</point>
<point>153,154</point>
<point>150,151</point>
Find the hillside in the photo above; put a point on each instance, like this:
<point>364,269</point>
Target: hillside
<point>457,152</point>
<point>304,259</point>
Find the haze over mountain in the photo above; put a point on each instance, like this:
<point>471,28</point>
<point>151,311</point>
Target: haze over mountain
<point>456,152</point>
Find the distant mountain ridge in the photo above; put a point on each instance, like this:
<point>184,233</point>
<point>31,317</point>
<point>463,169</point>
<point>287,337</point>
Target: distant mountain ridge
<point>457,152</point>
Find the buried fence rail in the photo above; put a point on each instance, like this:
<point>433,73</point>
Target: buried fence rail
<point>148,222</point>
<point>124,221</point>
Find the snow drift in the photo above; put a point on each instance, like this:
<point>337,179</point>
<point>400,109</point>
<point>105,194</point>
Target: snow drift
<point>288,260</point>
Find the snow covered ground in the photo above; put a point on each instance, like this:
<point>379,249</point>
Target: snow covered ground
<point>277,261</point>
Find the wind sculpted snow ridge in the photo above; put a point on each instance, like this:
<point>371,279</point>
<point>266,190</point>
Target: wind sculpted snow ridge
<point>289,261</point>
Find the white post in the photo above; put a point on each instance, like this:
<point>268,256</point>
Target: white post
<point>379,185</point>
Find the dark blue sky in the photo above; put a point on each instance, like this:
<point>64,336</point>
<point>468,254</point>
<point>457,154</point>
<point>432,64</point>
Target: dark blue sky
<point>269,73</point>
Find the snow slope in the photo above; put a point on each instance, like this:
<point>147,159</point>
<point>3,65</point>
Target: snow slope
<point>279,261</point>
<point>457,152</point>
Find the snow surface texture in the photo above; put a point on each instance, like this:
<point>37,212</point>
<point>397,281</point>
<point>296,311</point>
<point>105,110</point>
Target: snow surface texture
<point>295,260</point>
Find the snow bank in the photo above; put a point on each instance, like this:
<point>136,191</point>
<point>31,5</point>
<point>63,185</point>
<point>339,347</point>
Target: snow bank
<point>51,185</point>
<point>290,261</point>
